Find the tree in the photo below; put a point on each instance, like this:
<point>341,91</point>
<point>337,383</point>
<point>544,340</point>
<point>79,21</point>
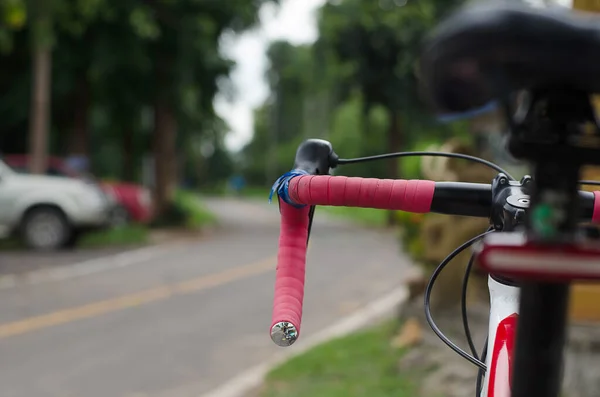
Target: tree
<point>357,78</point>
<point>186,67</point>
<point>78,24</point>
<point>301,105</point>
<point>116,62</point>
<point>379,42</point>
<point>289,79</point>
<point>50,26</point>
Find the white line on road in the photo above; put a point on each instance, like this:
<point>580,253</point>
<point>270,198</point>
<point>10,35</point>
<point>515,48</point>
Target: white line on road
<point>251,379</point>
<point>84,268</point>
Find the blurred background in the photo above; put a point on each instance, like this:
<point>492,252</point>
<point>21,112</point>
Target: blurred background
<point>139,140</point>
<point>166,95</point>
<point>146,98</point>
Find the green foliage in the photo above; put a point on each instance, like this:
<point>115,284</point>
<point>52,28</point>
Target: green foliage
<point>289,79</point>
<point>143,23</point>
<point>379,43</point>
<point>13,16</point>
<point>353,135</point>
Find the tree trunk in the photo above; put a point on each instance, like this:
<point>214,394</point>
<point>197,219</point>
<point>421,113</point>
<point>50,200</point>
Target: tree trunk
<point>394,140</point>
<point>78,140</point>
<point>128,147</point>
<point>39,113</point>
<point>165,167</point>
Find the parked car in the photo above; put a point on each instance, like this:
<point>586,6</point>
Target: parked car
<point>49,212</point>
<point>131,202</point>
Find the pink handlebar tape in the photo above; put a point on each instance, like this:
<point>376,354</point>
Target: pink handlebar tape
<point>411,196</point>
<point>289,276</point>
<point>386,194</point>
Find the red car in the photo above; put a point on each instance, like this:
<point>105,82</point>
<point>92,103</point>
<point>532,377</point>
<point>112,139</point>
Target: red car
<point>133,202</point>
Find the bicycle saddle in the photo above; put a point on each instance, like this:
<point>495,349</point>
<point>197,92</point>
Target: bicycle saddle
<point>485,51</point>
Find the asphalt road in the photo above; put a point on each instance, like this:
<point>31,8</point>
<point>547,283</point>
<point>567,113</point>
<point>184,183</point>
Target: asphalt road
<point>180,321</point>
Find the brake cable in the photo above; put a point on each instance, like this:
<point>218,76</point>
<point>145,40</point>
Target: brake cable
<point>426,153</point>
<point>428,290</point>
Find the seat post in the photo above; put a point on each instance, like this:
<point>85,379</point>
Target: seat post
<point>541,330</point>
<point>549,136</point>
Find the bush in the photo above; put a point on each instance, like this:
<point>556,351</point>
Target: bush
<point>186,210</point>
<point>410,232</point>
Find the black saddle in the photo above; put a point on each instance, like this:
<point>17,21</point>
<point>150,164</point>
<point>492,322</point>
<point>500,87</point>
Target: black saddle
<point>485,51</point>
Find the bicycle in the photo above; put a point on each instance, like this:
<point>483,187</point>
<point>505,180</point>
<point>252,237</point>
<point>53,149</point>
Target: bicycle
<point>535,245</point>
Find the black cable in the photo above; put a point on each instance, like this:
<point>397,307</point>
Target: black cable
<point>463,304</point>
<point>428,290</point>
<point>433,154</point>
<point>481,372</point>
<point>463,307</point>
<point>489,164</point>
<point>311,216</point>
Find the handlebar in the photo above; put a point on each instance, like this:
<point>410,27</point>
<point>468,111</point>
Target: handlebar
<point>298,190</point>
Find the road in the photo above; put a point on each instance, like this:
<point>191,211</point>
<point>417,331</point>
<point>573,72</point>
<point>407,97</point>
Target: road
<point>180,321</point>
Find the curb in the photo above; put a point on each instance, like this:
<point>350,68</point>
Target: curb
<point>374,312</point>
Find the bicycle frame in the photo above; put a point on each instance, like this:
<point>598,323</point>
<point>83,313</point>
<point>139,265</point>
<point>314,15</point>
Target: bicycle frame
<point>504,309</point>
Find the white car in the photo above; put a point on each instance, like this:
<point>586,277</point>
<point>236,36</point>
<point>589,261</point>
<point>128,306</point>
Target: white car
<point>49,212</point>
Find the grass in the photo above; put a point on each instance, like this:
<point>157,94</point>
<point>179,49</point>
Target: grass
<point>124,235</point>
<point>196,214</point>
<point>364,216</point>
<point>359,365</point>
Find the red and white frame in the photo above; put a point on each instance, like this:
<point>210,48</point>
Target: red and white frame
<point>504,313</point>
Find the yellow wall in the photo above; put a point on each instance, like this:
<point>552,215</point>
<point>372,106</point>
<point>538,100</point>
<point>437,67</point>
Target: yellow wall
<point>587,5</point>
<point>585,298</point>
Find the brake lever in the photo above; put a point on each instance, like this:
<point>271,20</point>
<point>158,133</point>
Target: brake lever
<point>313,157</point>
